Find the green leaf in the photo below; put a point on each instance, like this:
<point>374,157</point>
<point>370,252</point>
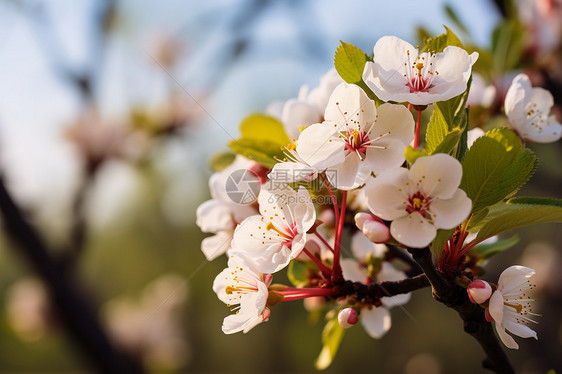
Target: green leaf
<point>263,138</point>
<point>439,43</point>
<point>350,61</point>
<point>495,167</point>
<point>486,251</point>
<point>263,127</point>
<point>439,241</point>
<point>331,339</point>
<point>297,273</point>
<point>462,145</point>
<point>413,154</point>
<point>535,201</point>
<point>263,152</point>
<point>221,160</point>
<point>447,125</point>
<point>505,217</point>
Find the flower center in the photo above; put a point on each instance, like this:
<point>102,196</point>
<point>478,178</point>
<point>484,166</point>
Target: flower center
<point>420,73</point>
<point>535,117</point>
<point>418,203</point>
<point>356,142</point>
<point>288,234</point>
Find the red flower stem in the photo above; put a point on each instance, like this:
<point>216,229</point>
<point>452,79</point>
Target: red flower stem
<point>324,241</point>
<point>409,107</point>
<point>303,293</point>
<point>336,268</point>
<point>418,125</point>
<point>323,268</point>
<point>333,197</point>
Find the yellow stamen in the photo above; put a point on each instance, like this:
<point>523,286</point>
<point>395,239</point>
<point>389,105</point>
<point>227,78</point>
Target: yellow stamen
<point>518,307</point>
<point>270,226</point>
<point>355,135</point>
<point>418,203</point>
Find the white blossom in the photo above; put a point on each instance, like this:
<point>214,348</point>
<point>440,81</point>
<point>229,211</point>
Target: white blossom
<point>354,141</point>
<point>220,214</point>
<point>278,234</point>
<point>400,73</point>
<point>510,305</point>
<point>528,109</point>
<point>244,288</point>
<point>481,93</point>
<point>420,200</point>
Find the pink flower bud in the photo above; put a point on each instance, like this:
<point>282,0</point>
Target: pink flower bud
<point>479,291</point>
<point>347,317</point>
<point>372,227</point>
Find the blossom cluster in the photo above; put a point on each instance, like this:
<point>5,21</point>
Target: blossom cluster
<point>360,143</point>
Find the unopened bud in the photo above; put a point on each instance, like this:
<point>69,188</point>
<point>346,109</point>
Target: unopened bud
<point>372,227</point>
<point>479,291</point>
<point>347,317</point>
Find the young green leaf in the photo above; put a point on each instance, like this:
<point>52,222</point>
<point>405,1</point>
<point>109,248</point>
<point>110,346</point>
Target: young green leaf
<point>439,241</point>
<point>439,43</point>
<point>505,217</point>
<point>262,139</point>
<point>298,272</point>
<point>413,154</point>
<point>350,61</point>
<point>221,160</point>
<point>487,251</point>
<point>331,339</point>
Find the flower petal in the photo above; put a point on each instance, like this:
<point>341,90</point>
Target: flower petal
<point>386,194</point>
<point>396,121</point>
<point>447,214</point>
<point>214,246</point>
<point>361,246</point>
<point>453,68</point>
<point>291,172</point>
<point>298,115</point>
<point>438,175</point>
<point>352,270</point>
<point>303,210</point>
<point>213,216</point>
<point>413,230</point>
<point>513,277</point>
<point>349,106</point>
<point>506,339</point>
<point>319,145</point>
<point>376,321</point>
<point>495,307</point>
<point>385,154</point>
<point>350,174</point>
<point>520,330</point>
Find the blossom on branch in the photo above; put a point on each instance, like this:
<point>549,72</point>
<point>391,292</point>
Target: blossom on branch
<point>420,200</point>
<point>279,233</point>
<point>527,109</point>
<point>510,305</point>
<point>220,214</point>
<point>356,138</point>
<point>400,73</point>
<point>241,285</point>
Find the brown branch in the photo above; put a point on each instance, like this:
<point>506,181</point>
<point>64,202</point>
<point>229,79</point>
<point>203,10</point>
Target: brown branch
<point>74,312</point>
<point>373,292</point>
<point>475,324</point>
